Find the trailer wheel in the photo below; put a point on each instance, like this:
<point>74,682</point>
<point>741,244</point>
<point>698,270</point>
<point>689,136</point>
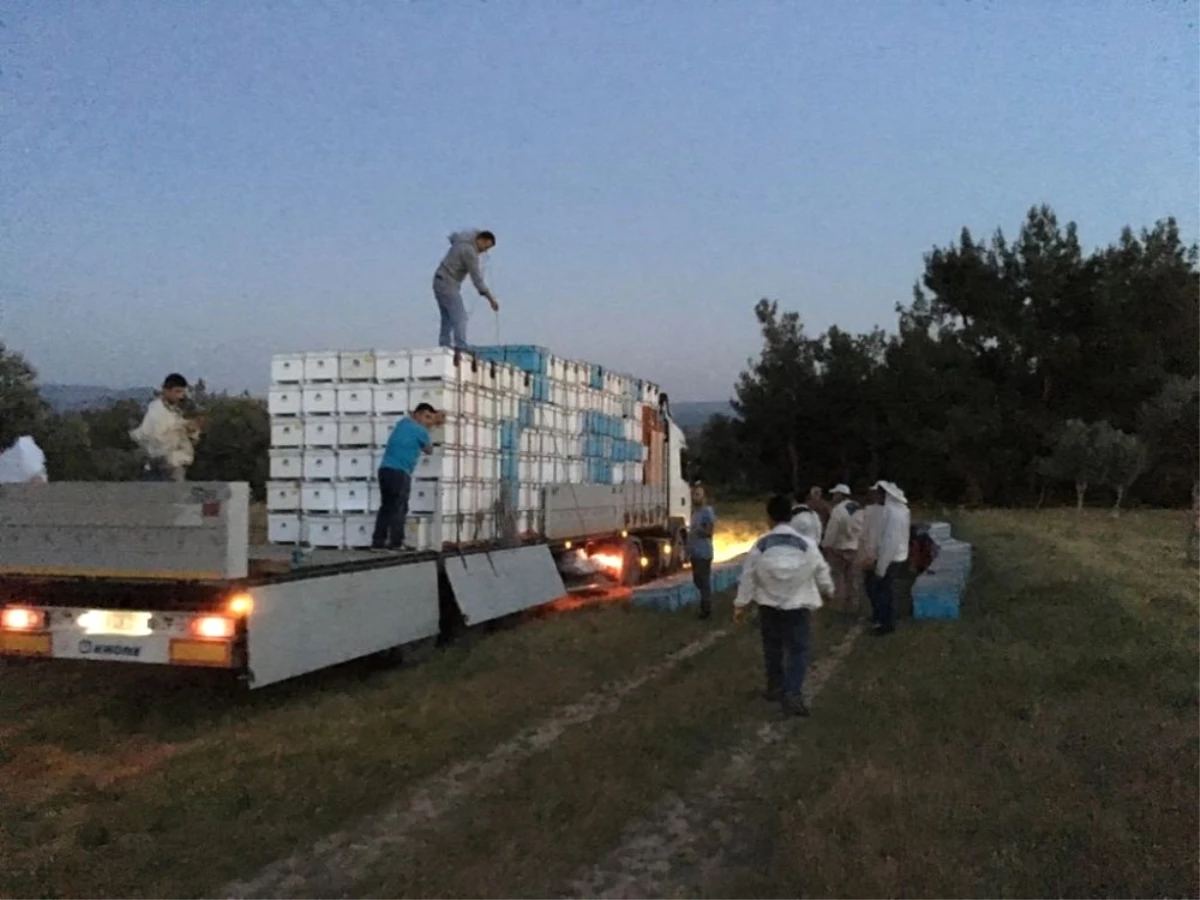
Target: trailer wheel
<point>631,571</point>
<point>677,552</point>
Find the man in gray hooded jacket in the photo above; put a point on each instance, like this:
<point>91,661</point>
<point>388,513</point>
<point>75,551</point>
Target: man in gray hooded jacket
<point>461,259</point>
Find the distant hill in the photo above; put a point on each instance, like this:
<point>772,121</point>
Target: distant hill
<point>78,397</point>
<point>694,415</point>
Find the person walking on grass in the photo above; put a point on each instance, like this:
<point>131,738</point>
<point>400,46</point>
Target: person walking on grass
<point>461,260</point>
<point>868,540</point>
<point>840,544</point>
<point>408,440</point>
<point>787,577</point>
<point>700,547</point>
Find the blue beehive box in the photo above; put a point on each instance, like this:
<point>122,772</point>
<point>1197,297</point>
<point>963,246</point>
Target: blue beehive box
<point>535,360</point>
<point>510,433</point>
<point>937,592</point>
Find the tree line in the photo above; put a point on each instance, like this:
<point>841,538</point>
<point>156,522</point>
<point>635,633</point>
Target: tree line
<point>94,444</point>
<point>1021,372</point>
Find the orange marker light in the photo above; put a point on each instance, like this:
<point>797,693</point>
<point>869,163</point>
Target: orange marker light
<point>18,618</point>
<point>213,627</point>
<point>241,604</point>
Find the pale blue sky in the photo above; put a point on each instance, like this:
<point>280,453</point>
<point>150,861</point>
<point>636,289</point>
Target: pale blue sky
<point>196,185</point>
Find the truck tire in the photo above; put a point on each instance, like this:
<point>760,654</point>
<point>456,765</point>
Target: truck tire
<point>631,571</point>
<point>677,552</point>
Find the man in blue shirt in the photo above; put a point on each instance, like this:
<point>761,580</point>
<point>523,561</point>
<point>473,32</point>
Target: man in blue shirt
<point>408,440</point>
<point>700,548</point>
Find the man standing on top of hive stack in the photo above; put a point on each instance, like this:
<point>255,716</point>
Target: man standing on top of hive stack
<point>461,259</point>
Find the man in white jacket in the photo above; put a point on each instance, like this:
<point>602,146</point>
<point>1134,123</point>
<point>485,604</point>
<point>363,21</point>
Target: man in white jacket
<point>786,575</point>
<point>840,544</point>
<point>889,556</point>
<point>806,520</point>
<point>165,436</point>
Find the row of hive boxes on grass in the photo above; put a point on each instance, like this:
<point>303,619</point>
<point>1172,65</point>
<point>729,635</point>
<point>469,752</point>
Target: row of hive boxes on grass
<point>470,400</point>
<point>498,370</point>
<point>355,531</point>
<point>559,429</point>
<point>316,464</point>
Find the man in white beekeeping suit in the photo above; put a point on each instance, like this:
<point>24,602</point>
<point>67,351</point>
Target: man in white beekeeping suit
<point>165,436</point>
<point>890,541</point>
<point>840,544</point>
<point>807,521</point>
<point>23,463</point>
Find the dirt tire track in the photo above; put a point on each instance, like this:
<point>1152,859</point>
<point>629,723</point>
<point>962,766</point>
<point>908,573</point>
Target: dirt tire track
<point>685,841</point>
<point>336,863</point>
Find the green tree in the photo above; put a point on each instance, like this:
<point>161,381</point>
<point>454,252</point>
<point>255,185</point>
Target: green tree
<point>236,442</point>
<point>115,457</point>
<point>22,410</point>
<point>1126,461</point>
<point>720,453</point>
<point>774,395</point>
<point>1081,455</point>
<point>1169,422</point>
<point>65,440</point>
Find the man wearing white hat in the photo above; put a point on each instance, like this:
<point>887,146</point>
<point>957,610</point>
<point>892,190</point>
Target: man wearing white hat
<point>840,544</point>
<point>891,553</point>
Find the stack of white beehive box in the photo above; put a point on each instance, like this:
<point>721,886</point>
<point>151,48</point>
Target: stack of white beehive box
<point>517,419</point>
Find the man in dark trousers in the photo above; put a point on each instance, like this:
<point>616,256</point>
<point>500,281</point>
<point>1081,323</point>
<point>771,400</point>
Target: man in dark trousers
<point>786,575</point>
<point>409,439</point>
<point>461,260</point>
<point>700,547</point>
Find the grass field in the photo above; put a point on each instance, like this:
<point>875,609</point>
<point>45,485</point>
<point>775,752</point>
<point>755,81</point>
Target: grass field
<point>1046,744</point>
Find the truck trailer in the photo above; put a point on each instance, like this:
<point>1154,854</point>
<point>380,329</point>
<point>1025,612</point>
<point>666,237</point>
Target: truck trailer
<point>548,476</point>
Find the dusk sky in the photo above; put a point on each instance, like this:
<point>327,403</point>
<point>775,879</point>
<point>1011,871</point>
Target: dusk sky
<point>194,186</point>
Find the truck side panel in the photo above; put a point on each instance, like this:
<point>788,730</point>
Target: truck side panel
<point>581,510</point>
<point>193,531</point>
<point>498,583</point>
<point>310,623</point>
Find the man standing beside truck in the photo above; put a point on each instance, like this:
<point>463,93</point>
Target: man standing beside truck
<point>461,259</point>
<point>165,437</point>
<point>700,547</point>
<point>408,440</point>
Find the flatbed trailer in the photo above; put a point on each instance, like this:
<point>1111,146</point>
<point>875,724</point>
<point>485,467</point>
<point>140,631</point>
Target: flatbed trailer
<point>164,574</point>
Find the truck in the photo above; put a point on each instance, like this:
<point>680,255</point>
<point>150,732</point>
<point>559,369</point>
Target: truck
<point>168,574</point>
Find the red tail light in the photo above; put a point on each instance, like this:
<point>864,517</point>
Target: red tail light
<point>213,627</point>
<point>20,618</point>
